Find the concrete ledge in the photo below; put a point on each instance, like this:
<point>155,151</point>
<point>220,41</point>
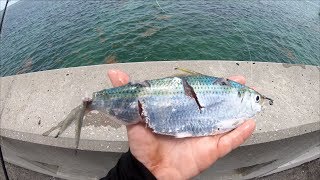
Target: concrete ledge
<point>308,156</point>
<point>32,103</point>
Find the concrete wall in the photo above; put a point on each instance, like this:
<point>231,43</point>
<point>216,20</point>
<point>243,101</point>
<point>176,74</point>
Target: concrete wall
<point>33,103</point>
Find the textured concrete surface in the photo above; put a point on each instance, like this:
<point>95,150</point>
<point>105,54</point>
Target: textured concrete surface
<point>20,173</point>
<point>59,162</point>
<point>245,162</point>
<point>33,103</point>
<point>307,171</point>
<point>313,153</point>
<point>256,160</point>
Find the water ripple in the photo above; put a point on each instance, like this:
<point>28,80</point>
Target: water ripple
<point>41,35</point>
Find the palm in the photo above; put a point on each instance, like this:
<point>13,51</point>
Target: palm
<point>166,156</point>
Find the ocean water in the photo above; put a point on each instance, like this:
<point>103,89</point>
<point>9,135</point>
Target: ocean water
<point>42,35</point>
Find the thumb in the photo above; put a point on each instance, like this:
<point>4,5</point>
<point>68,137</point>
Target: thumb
<point>118,78</point>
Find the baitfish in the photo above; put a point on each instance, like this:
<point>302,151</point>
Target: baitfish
<point>187,105</point>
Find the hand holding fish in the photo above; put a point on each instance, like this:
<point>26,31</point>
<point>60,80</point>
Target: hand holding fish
<point>180,158</point>
<point>201,107</point>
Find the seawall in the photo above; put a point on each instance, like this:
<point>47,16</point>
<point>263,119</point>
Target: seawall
<point>32,103</point>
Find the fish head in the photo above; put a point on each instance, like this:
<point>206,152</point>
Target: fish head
<point>257,100</point>
<point>262,100</point>
<point>254,101</point>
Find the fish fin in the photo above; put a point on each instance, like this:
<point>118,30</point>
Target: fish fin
<point>222,82</point>
<point>189,91</point>
<point>52,129</point>
<point>64,124</point>
<point>79,120</point>
<point>77,114</point>
<point>144,83</point>
<point>188,71</point>
<point>68,120</point>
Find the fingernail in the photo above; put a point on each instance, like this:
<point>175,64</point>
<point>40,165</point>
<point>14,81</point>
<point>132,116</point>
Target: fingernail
<point>247,126</point>
<point>114,77</point>
<point>239,79</point>
<point>250,124</point>
<point>121,80</point>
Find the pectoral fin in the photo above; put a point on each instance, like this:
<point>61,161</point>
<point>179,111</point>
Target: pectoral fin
<point>189,91</point>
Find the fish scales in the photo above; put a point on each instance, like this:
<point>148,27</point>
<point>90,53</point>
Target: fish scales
<point>195,105</point>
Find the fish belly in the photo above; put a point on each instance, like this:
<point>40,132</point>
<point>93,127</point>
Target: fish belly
<point>180,115</point>
<point>181,107</point>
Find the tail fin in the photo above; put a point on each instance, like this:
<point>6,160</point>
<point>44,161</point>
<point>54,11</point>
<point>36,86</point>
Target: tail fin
<point>77,114</point>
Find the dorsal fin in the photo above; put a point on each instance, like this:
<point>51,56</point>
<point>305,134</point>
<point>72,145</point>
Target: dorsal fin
<point>222,82</point>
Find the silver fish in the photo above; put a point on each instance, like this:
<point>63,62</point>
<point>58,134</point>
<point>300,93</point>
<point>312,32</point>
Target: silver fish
<point>180,106</point>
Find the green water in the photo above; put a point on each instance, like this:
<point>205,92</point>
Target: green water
<point>42,35</point>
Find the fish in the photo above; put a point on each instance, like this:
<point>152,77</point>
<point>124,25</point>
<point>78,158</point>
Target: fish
<point>185,105</point>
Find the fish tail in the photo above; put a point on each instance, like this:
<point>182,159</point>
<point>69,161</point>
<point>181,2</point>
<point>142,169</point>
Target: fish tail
<point>79,119</point>
<point>64,124</point>
<point>77,114</point>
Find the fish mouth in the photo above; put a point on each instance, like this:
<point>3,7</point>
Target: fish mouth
<point>269,99</point>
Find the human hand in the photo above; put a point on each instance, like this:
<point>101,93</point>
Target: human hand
<point>172,158</point>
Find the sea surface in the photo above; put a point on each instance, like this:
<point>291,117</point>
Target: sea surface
<point>41,35</point>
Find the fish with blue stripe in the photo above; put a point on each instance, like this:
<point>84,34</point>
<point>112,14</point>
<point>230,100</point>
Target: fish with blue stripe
<point>185,105</point>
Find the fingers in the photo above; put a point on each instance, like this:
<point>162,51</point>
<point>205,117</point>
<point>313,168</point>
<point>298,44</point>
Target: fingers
<point>239,79</point>
<point>254,88</point>
<point>118,78</point>
<point>235,138</point>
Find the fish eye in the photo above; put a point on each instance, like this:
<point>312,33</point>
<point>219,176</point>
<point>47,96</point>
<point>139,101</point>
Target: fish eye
<point>257,99</point>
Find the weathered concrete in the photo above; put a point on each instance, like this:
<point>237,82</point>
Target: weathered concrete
<point>258,159</point>
<point>308,170</point>
<point>309,155</point>
<point>33,103</point>
<point>59,162</point>
<point>243,163</point>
